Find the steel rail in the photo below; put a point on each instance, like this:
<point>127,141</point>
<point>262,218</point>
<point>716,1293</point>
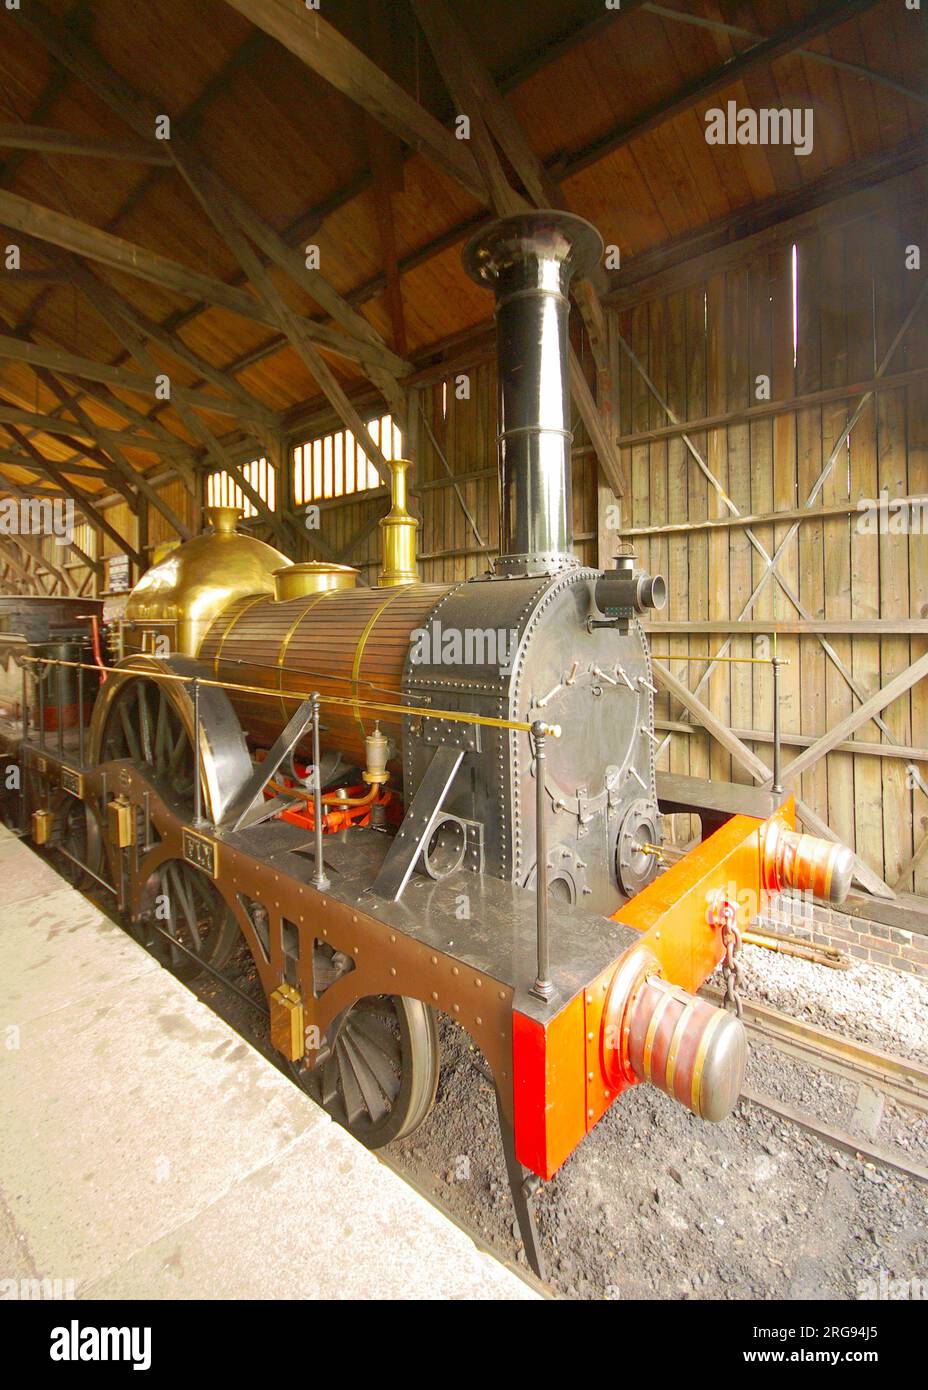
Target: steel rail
<point>899,1077</point>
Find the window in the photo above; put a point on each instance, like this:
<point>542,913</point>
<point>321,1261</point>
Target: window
<point>223,491</point>
<point>336,465</point>
<point>85,537</point>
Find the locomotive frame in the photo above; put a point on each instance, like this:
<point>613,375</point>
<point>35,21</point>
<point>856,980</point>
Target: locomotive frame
<point>519,893</point>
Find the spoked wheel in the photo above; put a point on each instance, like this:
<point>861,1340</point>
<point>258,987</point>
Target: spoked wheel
<point>182,908</point>
<point>148,717</point>
<point>73,840</point>
<point>380,1078</point>
<point>143,723</point>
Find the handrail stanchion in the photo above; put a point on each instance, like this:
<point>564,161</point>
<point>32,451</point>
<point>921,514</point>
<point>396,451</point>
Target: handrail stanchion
<point>197,788</point>
<point>777,786</point>
<point>40,688</point>
<point>320,879</point>
<point>543,987</point>
<point>80,715</point>
<point>59,688</point>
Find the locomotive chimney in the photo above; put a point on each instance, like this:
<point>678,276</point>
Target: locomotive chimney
<point>529,261</point>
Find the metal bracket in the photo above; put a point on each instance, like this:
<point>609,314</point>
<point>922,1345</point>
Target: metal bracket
<point>418,823</point>
<point>242,811</point>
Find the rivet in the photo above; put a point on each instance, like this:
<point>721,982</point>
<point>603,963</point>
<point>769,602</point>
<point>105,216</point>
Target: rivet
<point>589,998</point>
<point>590,1112</point>
<point>392,940</point>
<point>479,1020</point>
<point>392,969</point>
<point>502,994</point>
<point>454,970</point>
<point>434,960</point>
<point>434,993</point>
<point>478,983</point>
<point>589,1076</point>
<point>457,1008</point>
<point>356,951</point>
<point>589,1037</point>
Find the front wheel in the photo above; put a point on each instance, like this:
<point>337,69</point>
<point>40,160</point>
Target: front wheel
<point>380,1077</point>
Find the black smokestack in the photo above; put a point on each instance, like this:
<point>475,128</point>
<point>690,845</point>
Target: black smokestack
<point>529,261</point>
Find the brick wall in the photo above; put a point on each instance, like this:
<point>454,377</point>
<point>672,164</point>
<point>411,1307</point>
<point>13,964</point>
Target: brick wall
<point>892,946</point>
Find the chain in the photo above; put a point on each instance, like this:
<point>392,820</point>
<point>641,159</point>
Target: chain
<point>731,965</point>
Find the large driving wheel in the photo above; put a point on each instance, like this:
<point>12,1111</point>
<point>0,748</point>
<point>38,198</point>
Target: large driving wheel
<point>185,920</point>
<point>380,1077</point>
<point>144,724</point>
<point>147,717</point>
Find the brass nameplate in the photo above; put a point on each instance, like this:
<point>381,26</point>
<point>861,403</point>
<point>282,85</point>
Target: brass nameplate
<point>200,852</point>
<point>72,782</point>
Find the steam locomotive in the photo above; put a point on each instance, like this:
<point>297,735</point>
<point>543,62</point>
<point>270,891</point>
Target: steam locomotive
<point>412,798</point>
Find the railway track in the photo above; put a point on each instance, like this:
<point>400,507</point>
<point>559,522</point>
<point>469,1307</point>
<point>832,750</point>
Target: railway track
<point>875,1072</point>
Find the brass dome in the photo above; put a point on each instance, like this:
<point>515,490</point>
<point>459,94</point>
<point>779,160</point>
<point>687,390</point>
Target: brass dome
<point>182,595</point>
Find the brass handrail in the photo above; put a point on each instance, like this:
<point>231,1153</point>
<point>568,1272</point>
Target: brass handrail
<point>414,711</point>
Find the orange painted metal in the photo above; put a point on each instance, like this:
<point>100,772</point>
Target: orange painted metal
<point>548,1096</point>
<point>673,913</point>
<point>679,917</point>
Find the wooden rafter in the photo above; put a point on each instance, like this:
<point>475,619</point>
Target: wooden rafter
<point>47,140</point>
<point>82,499</point>
<point>375,358</point>
<point>71,364</point>
<point>133,476</point>
<point>319,45</point>
<point>59,229</point>
<point>472,87</point>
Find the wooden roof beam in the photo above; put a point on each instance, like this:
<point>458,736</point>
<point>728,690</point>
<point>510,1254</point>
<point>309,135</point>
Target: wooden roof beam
<point>38,423</point>
<point>472,87</point>
<point>778,45</point>
<point>212,196</point>
<point>319,45</point>
<point>375,357</point>
<point>72,365</point>
<point>80,498</point>
<point>46,140</point>
<point>96,290</point>
<point>57,228</point>
<point>120,463</point>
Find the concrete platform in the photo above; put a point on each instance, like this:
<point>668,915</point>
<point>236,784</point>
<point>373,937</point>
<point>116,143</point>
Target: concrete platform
<point>147,1151</point>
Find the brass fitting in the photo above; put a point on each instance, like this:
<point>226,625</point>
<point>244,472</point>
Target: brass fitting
<point>376,749</point>
<point>398,530</point>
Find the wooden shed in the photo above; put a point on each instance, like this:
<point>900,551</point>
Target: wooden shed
<point>230,270</point>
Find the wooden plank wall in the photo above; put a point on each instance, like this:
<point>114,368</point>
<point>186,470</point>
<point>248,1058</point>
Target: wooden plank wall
<point>703,347</point>
<point>458,430</point>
